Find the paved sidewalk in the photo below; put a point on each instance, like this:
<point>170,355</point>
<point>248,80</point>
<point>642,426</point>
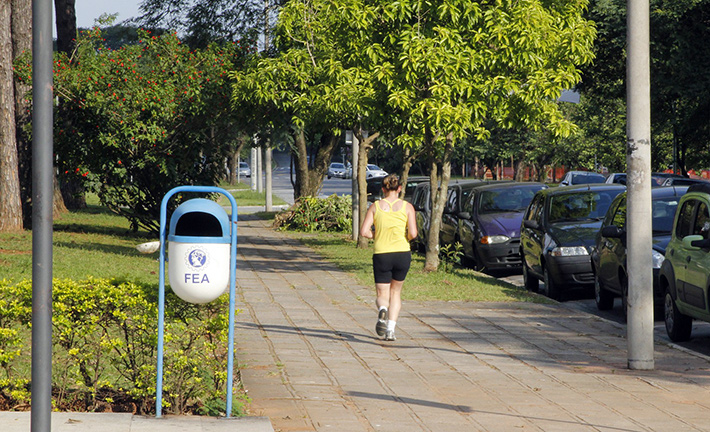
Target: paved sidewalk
<point>311,361</point>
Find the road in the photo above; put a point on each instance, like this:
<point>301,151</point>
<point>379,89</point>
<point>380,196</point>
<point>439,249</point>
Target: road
<point>283,189</point>
<point>700,342</point>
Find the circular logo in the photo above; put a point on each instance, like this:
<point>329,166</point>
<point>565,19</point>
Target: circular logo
<point>197,259</point>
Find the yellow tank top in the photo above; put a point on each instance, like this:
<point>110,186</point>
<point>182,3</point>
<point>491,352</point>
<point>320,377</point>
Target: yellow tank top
<point>391,229</point>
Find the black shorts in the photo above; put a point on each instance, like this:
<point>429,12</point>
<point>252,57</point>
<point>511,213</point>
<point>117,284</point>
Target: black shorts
<point>391,266</point>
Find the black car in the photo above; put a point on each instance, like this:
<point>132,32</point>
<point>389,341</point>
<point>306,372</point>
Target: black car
<point>582,177</point>
<point>421,201</point>
<point>458,193</point>
<point>374,187</point>
<point>609,255</point>
<point>682,181</point>
<point>557,233</point>
<point>489,225</point>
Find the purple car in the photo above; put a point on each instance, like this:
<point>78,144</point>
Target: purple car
<point>489,225</point>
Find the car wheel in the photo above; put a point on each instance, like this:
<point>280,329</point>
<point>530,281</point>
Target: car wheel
<point>328,177</point>
<point>551,289</point>
<point>532,283</point>
<point>603,298</point>
<point>678,325</point>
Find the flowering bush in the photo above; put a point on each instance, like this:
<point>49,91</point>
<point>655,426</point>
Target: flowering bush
<point>105,339</point>
<point>316,214</point>
<point>134,122</point>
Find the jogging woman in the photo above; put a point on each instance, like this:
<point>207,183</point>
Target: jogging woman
<point>395,226</point>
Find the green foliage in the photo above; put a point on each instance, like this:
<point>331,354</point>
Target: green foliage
<point>137,121</point>
<point>332,214</point>
<point>105,340</point>
<point>450,255</point>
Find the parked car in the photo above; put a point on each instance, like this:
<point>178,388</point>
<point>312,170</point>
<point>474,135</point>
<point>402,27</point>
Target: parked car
<point>458,193</point>
<point>609,255</point>
<point>685,273</point>
<point>336,169</point>
<point>489,224</point>
<point>375,171</point>
<point>557,233</point>
<point>616,178</point>
<point>682,181</point>
<point>374,187</point>
<point>581,177</point>
<point>244,169</point>
<point>421,201</point>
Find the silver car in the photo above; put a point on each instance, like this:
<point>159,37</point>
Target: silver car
<point>336,169</point>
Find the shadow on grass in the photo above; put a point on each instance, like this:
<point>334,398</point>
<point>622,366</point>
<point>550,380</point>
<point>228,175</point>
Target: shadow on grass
<point>93,224</point>
<point>99,247</point>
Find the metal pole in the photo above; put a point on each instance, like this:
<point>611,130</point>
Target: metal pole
<point>356,195</point>
<point>253,168</point>
<point>42,207</point>
<point>638,160</point>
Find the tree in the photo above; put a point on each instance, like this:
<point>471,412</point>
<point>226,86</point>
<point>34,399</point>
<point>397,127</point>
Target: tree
<point>680,96</point>
<point>144,118</point>
<point>208,21</point>
<point>10,201</point>
<point>452,67</point>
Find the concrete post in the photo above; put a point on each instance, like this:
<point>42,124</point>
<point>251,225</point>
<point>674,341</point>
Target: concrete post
<point>259,169</point>
<point>269,182</point>
<point>638,160</point>
<point>254,170</point>
<point>356,195</point>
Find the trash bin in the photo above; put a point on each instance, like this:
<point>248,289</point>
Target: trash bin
<point>199,242</point>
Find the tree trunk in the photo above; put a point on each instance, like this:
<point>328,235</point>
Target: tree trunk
<point>439,179</point>
<point>22,45</point>
<point>10,201</point>
<point>301,163</point>
<point>233,159</point>
<point>66,25</point>
<point>365,146</point>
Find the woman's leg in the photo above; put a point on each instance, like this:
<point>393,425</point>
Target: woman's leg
<point>395,299</point>
<point>383,295</point>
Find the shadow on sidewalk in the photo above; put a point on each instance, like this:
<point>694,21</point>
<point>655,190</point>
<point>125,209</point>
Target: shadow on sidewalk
<point>411,401</point>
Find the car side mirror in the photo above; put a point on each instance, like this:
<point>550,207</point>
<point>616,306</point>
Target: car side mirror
<point>564,183</point>
<point>613,231</point>
<point>695,242</point>
<point>529,223</point>
<point>464,215</point>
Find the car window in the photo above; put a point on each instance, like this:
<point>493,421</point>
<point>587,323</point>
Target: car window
<point>579,206</point>
<point>663,213</point>
<point>452,199</point>
<point>702,221</point>
<point>619,218</point>
<point>505,200</point>
<point>535,209</point>
<point>685,219</point>
<point>587,178</point>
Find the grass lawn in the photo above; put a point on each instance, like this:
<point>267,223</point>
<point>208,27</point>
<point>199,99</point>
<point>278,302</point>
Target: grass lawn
<point>244,196</point>
<point>457,284</point>
<point>96,242</point>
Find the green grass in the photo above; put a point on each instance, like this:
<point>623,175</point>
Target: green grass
<point>458,284</point>
<point>88,242</point>
<point>244,196</point>
<point>95,242</point>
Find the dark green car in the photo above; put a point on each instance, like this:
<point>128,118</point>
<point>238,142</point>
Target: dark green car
<point>685,273</point>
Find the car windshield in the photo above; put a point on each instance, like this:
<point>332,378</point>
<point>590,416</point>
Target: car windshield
<point>243,165</point>
<point>373,167</point>
<point>587,178</point>
<point>506,200</point>
<point>337,165</point>
<point>663,213</point>
<point>588,205</point>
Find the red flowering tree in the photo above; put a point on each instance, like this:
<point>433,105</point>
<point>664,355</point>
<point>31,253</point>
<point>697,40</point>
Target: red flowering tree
<point>137,121</point>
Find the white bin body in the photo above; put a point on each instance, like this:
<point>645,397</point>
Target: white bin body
<point>198,272</point>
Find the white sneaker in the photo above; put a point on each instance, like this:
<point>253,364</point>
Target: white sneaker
<point>381,326</point>
<point>389,335</point>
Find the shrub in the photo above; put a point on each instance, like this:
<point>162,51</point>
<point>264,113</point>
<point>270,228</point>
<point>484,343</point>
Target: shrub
<point>332,214</point>
<point>105,342</point>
